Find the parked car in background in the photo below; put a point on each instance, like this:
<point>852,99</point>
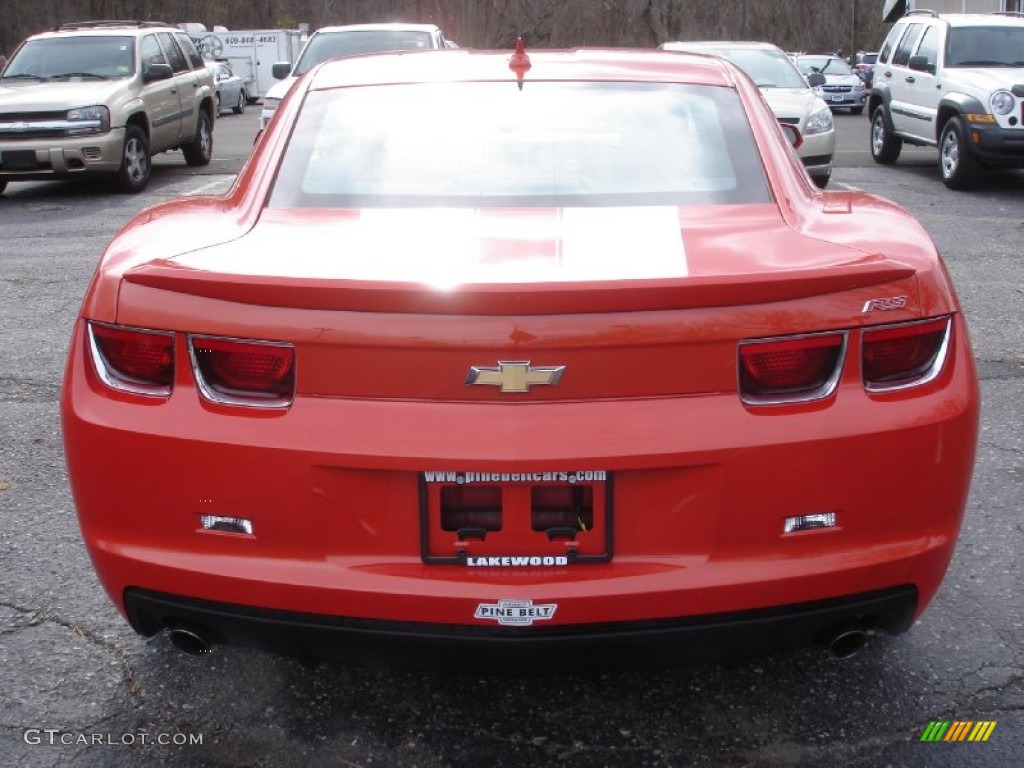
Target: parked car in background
<point>351,40</point>
<point>863,64</point>
<point>842,89</point>
<point>956,82</point>
<point>534,361</point>
<point>102,97</point>
<point>230,88</point>
<point>787,92</point>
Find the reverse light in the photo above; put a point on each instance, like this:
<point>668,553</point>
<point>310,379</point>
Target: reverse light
<point>243,372</point>
<point>133,359</point>
<point>809,522</point>
<point>790,369</point>
<point>226,524</point>
<point>905,355</point>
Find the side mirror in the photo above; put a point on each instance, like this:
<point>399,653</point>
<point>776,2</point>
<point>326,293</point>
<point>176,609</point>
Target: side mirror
<point>793,134</point>
<point>920,63</point>
<point>815,79</point>
<point>152,72</point>
<point>281,69</point>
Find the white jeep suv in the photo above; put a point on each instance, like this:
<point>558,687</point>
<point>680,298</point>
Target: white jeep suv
<point>956,82</point>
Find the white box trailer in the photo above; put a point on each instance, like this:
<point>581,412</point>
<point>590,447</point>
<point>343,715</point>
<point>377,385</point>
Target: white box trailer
<point>251,54</point>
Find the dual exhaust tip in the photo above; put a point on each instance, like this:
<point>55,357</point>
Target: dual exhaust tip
<point>842,643</point>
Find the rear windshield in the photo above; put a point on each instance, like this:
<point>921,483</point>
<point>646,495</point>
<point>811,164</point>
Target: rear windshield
<point>549,144</point>
<point>326,45</point>
<point>78,56</point>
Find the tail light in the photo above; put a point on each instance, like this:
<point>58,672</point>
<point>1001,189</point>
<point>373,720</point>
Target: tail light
<point>790,369</point>
<point>906,355</point>
<point>133,359</point>
<point>242,372</point>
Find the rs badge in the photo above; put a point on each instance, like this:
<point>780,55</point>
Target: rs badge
<point>515,613</point>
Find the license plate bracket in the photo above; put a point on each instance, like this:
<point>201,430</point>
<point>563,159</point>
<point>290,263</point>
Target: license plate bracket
<point>18,160</point>
<point>508,520</point>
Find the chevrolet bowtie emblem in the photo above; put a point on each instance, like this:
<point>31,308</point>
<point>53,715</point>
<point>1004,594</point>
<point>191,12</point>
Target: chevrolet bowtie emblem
<point>515,375</point>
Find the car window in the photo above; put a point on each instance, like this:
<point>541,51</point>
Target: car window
<point>907,45</point>
<point>194,58</point>
<point>890,42</point>
<point>152,53</point>
<point>826,65</point>
<point>985,47</point>
<point>327,45</point>
<point>111,57</point>
<point>929,47</point>
<point>767,68</point>
<point>551,144</point>
<point>174,55</point>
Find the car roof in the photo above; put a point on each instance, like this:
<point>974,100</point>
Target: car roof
<point>972,19</point>
<point>466,65</point>
<point>105,29</point>
<point>390,27</point>
<point>690,45</point>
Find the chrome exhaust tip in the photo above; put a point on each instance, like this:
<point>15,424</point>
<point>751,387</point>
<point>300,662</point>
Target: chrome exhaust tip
<point>846,643</point>
<point>191,640</point>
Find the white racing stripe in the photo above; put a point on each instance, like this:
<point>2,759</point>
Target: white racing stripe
<point>446,247</point>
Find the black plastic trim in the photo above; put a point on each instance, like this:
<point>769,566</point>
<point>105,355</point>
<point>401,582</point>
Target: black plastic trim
<point>663,642</point>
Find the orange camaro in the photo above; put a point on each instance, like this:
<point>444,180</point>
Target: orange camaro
<point>522,360</point>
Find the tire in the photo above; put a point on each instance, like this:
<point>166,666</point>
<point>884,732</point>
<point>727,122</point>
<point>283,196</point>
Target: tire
<point>133,176</point>
<point>3,186</point>
<point>217,106</point>
<point>239,108</point>
<point>821,181</point>
<point>199,151</point>
<point>956,163</point>
<point>885,148</point>
<point>857,110</point>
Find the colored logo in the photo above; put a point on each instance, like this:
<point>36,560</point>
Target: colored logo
<point>958,730</point>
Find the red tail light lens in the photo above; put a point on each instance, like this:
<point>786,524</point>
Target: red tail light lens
<point>133,359</point>
<point>790,369</point>
<point>237,372</point>
<point>904,355</point>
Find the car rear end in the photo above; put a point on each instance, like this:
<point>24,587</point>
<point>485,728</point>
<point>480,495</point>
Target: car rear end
<point>525,396</point>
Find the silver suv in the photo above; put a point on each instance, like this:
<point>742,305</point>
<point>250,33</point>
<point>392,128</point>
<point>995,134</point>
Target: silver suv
<point>956,82</point>
<point>103,97</point>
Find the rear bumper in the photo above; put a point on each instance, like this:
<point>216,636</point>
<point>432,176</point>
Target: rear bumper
<point>594,646</point>
<point>702,487</point>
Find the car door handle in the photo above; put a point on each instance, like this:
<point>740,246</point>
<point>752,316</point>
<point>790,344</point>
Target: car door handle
<point>887,74</point>
<point>174,90</point>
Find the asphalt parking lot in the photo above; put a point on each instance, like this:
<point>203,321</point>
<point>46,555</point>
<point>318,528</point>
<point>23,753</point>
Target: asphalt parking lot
<point>79,688</point>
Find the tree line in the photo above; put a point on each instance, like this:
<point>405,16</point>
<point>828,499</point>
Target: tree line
<point>795,25</point>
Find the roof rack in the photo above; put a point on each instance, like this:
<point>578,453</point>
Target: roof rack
<point>108,23</point>
<point>1017,14</point>
<point>923,12</point>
